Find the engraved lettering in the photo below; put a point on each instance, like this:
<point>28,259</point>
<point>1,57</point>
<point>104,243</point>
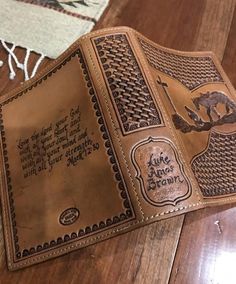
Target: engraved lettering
<point>160,172</point>
<point>62,140</point>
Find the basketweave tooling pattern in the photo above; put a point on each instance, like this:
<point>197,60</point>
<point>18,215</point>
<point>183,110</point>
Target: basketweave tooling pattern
<point>191,71</point>
<point>215,168</point>
<point>131,96</point>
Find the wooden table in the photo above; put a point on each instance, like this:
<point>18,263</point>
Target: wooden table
<point>199,247</point>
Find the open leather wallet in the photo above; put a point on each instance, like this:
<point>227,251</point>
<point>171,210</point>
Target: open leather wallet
<point>116,133</point>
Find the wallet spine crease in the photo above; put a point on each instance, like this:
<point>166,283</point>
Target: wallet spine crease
<point>178,143</point>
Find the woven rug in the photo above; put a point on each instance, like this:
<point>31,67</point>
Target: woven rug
<point>46,27</point>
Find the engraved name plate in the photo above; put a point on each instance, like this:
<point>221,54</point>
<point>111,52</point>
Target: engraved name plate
<point>160,172</point>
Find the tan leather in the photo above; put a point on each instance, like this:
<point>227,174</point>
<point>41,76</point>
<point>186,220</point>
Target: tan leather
<point>118,132</point>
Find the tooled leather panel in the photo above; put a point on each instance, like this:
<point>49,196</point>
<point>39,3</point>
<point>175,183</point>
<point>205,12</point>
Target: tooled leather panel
<point>131,96</point>
<point>124,216</point>
<point>191,71</point>
<point>215,168</point>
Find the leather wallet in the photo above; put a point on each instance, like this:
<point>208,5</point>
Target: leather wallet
<point>116,133</point>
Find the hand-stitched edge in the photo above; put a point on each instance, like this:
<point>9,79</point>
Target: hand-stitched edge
<point>88,241</point>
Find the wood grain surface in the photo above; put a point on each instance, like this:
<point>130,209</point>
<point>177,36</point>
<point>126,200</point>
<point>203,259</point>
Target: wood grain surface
<point>197,248</point>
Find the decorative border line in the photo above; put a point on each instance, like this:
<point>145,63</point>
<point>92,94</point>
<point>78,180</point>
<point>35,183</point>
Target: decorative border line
<point>123,217</point>
<point>63,11</point>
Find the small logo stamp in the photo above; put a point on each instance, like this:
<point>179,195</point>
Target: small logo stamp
<point>69,216</point>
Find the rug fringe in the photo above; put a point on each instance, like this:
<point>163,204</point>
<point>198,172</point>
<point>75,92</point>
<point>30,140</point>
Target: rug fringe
<point>14,62</point>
